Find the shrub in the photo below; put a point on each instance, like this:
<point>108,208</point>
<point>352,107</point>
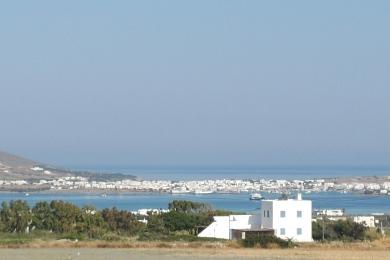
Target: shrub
<point>266,241</point>
<point>346,230</point>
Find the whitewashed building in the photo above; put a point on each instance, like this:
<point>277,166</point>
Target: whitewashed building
<point>223,225</point>
<point>368,221</point>
<point>288,219</point>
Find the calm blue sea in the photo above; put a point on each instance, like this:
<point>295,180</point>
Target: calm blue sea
<point>353,203</point>
<point>241,172</point>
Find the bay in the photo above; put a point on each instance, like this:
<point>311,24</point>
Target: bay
<point>351,202</point>
<point>187,173</point>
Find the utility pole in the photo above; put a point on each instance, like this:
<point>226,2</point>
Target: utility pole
<point>230,232</point>
<point>323,227</point>
<point>382,231</point>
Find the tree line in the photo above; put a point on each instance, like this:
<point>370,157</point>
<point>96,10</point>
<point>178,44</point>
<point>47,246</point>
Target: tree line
<point>183,221</point>
<point>62,217</point>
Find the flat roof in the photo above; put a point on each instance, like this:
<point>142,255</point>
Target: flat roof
<point>258,230</point>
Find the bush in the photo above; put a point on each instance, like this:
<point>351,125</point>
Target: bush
<point>345,230</point>
<point>72,236</point>
<point>152,236</point>
<point>266,241</point>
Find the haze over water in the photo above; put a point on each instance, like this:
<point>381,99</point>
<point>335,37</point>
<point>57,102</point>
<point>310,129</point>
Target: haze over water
<point>196,82</point>
<point>177,173</point>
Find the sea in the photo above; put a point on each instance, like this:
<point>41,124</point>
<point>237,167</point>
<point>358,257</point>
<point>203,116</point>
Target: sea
<point>353,203</point>
<point>287,172</point>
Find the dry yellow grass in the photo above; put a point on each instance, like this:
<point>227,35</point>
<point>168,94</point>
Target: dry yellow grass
<point>65,249</point>
<point>190,253</point>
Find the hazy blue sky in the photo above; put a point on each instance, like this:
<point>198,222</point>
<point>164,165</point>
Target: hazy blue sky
<point>196,82</point>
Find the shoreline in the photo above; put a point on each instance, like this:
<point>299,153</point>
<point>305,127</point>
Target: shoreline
<point>370,185</point>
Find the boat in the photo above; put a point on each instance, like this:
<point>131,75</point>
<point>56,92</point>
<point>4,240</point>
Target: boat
<point>256,196</point>
<point>203,192</point>
<point>181,191</point>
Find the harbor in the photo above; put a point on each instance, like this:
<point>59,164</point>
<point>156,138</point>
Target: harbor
<point>238,202</point>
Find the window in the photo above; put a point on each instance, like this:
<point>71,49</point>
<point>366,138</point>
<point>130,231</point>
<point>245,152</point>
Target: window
<point>267,213</point>
<point>282,214</point>
<point>299,214</point>
<point>299,231</point>
<point>282,231</point>
<point>264,213</point>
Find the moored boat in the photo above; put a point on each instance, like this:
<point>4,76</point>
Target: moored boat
<point>256,196</point>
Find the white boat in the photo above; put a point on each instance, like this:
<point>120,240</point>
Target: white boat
<point>180,191</point>
<point>203,191</point>
<point>256,196</point>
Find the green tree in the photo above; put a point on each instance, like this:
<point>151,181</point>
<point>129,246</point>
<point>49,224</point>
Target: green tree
<point>177,221</point>
<point>16,216</point>
<point>42,216</point>
<point>347,229</point>
<point>122,221</point>
<point>91,222</point>
<point>338,230</point>
<point>188,206</point>
<point>65,216</point>
<point>156,224</point>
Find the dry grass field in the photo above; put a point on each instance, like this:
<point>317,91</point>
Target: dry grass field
<point>96,250</point>
<point>187,254</point>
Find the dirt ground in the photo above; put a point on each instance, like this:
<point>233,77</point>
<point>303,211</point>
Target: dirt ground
<point>189,254</point>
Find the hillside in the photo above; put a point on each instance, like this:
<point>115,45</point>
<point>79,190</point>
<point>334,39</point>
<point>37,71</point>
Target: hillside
<point>14,167</point>
<point>14,161</point>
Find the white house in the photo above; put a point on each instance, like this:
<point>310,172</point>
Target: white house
<point>289,219</point>
<point>330,212</point>
<point>368,221</point>
<point>223,225</point>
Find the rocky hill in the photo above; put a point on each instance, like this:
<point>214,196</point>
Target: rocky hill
<point>14,167</point>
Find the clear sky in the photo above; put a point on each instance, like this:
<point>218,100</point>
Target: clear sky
<point>195,82</point>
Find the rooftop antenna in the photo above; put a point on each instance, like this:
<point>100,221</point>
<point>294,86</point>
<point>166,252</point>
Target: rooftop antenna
<point>284,196</point>
<point>299,195</point>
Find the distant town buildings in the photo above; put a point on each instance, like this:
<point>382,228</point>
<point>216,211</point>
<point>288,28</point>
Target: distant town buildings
<point>200,186</point>
<point>368,221</point>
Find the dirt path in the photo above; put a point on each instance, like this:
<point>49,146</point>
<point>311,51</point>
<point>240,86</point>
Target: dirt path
<point>187,254</point>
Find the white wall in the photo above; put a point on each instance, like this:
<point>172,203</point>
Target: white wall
<point>368,221</point>
<point>290,223</point>
<point>222,225</point>
<point>266,214</point>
